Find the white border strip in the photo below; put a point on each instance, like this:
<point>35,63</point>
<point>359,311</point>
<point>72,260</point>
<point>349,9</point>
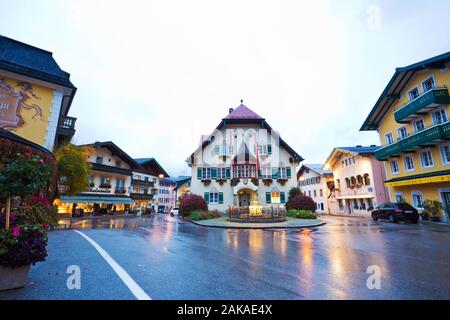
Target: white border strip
<point>123,275</point>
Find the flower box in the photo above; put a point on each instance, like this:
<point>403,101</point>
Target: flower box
<point>13,277</point>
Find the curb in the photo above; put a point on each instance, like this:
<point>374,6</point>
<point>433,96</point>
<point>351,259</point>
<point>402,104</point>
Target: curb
<point>318,224</point>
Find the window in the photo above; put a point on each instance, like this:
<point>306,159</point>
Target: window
<point>309,193</point>
<point>221,173</point>
<point>419,125</point>
<point>417,199</point>
<point>394,167</point>
<point>343,164</point>
<point>439,116</point>
<point>402,132</point>
<point>99,160</point>
<point>426,159</point>
<point>244,171</point>
<point>414,93</point>
<point>347,182</point>
<point>359,180</point>
<point>399,198</point>
<point>428,84</point>
<point>445,151</point>
<point>118,163</point>
<point>213,198</point>
<point>321,193</point>
<point>206,173</point>
<point>315,193</point>
<point>282,173</point>
<point>275,196</point>
<point>91,180</point>
<point>221,150</point>
<point>346,162</point>
<point>389,138</point>
<point>263,150</point>
<point>266,173</point>
<point>408,161</point>
<point>338,183</point>
<point>105,182</point>
<point>366,179</point>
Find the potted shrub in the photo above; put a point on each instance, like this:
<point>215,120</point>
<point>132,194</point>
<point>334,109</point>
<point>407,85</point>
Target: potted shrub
<point>433,208</point>
<point>20,247</point>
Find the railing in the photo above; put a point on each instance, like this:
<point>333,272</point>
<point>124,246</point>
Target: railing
<point>120,190</point>
<point>437,95</point>
<point>142,183</point>
<point>68,122</point>
<point>267,214</point>
<point>414,141</point>
<point>141,196</point>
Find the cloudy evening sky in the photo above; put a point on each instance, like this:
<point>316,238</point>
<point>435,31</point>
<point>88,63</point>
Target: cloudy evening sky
<point>152,76</point>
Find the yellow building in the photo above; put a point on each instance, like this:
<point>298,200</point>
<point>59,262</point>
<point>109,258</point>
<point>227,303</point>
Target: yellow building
<point>411,118</point>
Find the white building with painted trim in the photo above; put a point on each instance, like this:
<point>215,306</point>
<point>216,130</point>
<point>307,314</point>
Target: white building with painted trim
<point>315,183</point>
<point>244,163</point>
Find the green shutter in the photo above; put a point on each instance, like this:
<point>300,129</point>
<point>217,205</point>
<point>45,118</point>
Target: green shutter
<point>228,173</point>
<point>199,173</point>
<point>288,172</point>
<point>268,197</point>
<point>220,197</point>
<point>269,149</point>
<point>259,174</point>
<point>282,197</point>
<point>213,173</point>
<point>206,197</point>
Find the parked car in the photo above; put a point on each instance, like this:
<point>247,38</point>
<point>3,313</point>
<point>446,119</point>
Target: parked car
<point>175,211</point>
<point>395,212</point>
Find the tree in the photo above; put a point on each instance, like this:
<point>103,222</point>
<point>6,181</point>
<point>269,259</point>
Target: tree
<point>301,202</point>
<point>25,175</point>
<point>73,168</point>
<point>192,202</point>
<point>293,193</point>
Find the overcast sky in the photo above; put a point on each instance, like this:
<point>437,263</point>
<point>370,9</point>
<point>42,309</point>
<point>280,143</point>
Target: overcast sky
<point>152,76</point>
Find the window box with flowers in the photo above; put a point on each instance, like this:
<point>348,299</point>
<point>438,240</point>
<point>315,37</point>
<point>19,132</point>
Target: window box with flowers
<point>267,182</point>
<point>235,181</point>
<point>282,181</point>
<point>206,182</point>
<point>221,181</point>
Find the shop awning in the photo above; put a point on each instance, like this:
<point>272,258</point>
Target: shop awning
<point>432,177</point>
<point>96,199</point>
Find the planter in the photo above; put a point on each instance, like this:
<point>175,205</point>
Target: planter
<point>13,278</point>
<point>435,219</point>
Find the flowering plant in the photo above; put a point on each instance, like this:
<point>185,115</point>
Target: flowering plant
<point>23,245</point>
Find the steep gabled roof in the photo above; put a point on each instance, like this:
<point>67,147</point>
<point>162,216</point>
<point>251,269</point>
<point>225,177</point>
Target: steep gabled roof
<point>358,150</point>
<point>115,150</point>
<point>146,162</point>
<point>243,112</point>
<point>318,168</point>
<point>244,115</point>
<point>396,85</point>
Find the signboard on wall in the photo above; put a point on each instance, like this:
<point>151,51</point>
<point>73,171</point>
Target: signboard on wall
<point>26,109</point>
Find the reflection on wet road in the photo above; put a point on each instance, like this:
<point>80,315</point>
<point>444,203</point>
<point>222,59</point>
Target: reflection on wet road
<point>172,259</point>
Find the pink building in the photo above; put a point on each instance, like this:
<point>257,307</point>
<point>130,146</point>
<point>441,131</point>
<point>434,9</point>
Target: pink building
<point>358,180</point>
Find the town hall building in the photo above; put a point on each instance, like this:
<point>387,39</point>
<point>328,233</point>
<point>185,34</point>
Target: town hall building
<point>243,163</point>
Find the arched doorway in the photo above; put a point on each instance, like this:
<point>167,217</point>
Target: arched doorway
<point>244,199</point>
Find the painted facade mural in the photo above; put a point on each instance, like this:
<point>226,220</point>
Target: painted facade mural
<point>25,109</point>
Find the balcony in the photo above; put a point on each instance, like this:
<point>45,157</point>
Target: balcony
<point>425,138</point>
<point>66,129</point>
<point>105,168</point>
<point>120,190</point>
<point>422,104</point>
<point>142,183</point>
<point>141,196</point>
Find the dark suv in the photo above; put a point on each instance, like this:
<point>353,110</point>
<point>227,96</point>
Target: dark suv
<point>395,211</point>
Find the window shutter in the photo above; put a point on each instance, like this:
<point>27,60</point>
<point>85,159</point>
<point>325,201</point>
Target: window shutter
<point>288,172</point>
<point>220,197</point>
<point>269,149</point>
<point>228,173</point>
<point>282,197</point>
<point>259,174</point>
<point>213,173</point>
<point>199,173</point>
<point>206,197</point>
<point>268,197</point>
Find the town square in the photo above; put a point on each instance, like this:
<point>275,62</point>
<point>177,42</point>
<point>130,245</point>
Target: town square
<point>241,151</point>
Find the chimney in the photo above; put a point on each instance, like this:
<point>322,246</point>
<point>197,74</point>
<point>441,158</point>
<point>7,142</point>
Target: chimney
<point>230,110</point>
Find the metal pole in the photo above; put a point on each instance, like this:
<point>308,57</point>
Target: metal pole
<point>8,212</point>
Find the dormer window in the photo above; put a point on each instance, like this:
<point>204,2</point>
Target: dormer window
<point>99,160</point>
